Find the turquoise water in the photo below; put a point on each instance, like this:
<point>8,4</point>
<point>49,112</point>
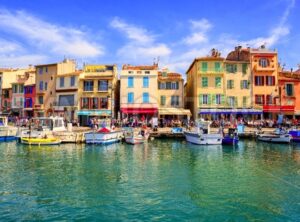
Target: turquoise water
<point>165,180</point>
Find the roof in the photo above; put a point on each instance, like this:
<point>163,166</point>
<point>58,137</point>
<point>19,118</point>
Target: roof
<point>288,75</point>
<point>77,72</point>
<point>170,76</point>
<point>239,54</point>
<point>52,64</point>
<point>140,67</point>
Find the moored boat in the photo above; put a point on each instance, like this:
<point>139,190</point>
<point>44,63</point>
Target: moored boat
<point>231,138</point>
<point>278,136</point>
<point>295,133</point>
<point>104,136</point>
<point>40,141</point>
<point>136,137</point>
<point>202,135</point>
<point>7,133</point>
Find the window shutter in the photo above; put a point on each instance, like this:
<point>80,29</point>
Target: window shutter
<point>234,68</point>
<point>213,98</point>
<point>242,86</point>
<point>263,99</point>
<point>232,84</point>
<point>256,98</point>
<point>200,99</point>
<point>208,99</point>
<point>222,99</point>
<point>263,81</point>
<point>273,80</point>
<point>235,101</point>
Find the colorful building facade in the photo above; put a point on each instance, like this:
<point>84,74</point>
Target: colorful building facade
<point>138,91</point>
<point>171,96</point>
<point>264,67</point>
<point>96,93</point>
<point>46,85</point>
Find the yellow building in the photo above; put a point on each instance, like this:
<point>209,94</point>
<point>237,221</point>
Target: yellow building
<point>171,96</point>
<point>138,91</point>
<point>238,81</point>
<point>264,66</point>
<point>46,76</point>
<point>97,92</point>
<point>205,89</point>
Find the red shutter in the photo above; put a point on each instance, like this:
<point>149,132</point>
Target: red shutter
<point>263,80</point>
<point>273,80</point>
<point>263,99</point>
<point>256,98</point>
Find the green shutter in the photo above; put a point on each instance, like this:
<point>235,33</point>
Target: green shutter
<point>232,84</point>
<point>228,84</point>
<point>241,84</point>
<point>217,67</point>
<point>200,99</point>
<point>208,99</point>
<point>244,68</point>
<point>235,68</point>
<point>235,101</point>
<point>222,99</point>
<point>204,66</point>
<point>213,100</point>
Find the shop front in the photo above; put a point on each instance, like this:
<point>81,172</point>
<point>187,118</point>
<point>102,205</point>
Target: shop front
<point>138,115</point>
<point>86,116</point>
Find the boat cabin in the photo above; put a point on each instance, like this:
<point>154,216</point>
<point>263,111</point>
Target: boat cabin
<point>3,121</point>
<point>56,124</point>
<point>203,126</point>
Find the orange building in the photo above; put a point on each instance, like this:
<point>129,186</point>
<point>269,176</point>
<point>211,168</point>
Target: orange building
<point>264,67</point>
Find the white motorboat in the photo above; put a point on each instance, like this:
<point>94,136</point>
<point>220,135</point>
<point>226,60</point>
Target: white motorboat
<point>43,126</point>
<point>7,133</point>
<point>136,137</point>
<point>202,136</point>
<point>103,136</point>
<point>278,136</point>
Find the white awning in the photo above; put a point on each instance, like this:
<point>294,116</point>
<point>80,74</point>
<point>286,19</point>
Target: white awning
<point>174,111</point>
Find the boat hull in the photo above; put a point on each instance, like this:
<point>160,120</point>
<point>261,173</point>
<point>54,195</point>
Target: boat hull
<point>135,140</point>
<point>286,138</point>
<point>103,138</point>
<point>40,142</point>
<point>8,134</point>
<point>203,139</point>
<point>230,141</point>
<point>295,135</point>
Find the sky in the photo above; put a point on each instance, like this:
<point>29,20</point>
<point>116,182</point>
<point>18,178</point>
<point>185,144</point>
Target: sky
<point>140,32</point>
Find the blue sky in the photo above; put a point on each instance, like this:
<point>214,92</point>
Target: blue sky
<point>137,31</point>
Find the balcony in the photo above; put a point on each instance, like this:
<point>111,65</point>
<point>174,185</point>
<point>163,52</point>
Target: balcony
<point>211,71</point>
<point>259,68</point>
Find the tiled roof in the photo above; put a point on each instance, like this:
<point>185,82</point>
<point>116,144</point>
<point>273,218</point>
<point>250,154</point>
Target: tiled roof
<point>239,55</point>
<point>140,67</point>
<point>170,76</point>
<point>289,75</point>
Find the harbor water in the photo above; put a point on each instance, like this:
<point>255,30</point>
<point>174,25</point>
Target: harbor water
<point>164,180</point>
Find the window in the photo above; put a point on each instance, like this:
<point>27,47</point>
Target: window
<point>244,84</point>
<point>130,97</point>
<point>145,97</point>
<point>103,85</point>
<point>85,103</point>
<point>103,103</point>
<point>218,99</point>
<point>204,67</point>
<point>270,80</point>
<point>40,70</point>
<point>21,103</point>
<point>6,93</point>
<point>231,101</point>
<point>168,85</point>
<point>15,88</point>
<point>217,67</point>
<point>259,80</point>
<point>175,101</point>
<point>15,101</point>
<point>269,99</point>
<point>263,62</point>
<point>145,82</point>
<point>231,68</point>
<point>218,82</point>
<point>72,81</point>
<point>244,101</point>
<point>66,100</point>
<point>289,89</point>
<point>21,88</point>
<point>41,85</point>
<point>46,69</point>
<point>130,72</point>
<point>94,103</point>
<point>230,84</point>
<point>46,85</point>
<point>130,82</point>
<point>161,85</point>
<point>204,99</point>
<point>244,68</point>
<point>88,86</point>
<point>41,100</point>
<point>174,85</point>
<point>28,103</point>
<point>61,82</point>
<point>259,99</point>
<point>162,100</point>
<point>204,82</point>
<point>147,72</point>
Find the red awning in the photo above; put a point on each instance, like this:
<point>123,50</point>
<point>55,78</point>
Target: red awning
<point>139,110</point>
<point>274,108</point>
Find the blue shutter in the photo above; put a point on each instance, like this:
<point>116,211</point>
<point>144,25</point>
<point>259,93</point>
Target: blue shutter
<point>130,82</point>
<point>146,82</point>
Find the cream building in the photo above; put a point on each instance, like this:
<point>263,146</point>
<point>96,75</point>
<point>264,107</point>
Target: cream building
<point>138,91</point>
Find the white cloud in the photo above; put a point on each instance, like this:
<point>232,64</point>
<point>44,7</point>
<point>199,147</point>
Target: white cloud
<point>12,60</point>
<point>8,46</point>
<point>142,46</point>
<point>44,35</point>
<point>199,29</point>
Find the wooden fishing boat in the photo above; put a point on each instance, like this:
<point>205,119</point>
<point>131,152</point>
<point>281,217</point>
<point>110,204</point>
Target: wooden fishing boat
<point>7,133</point>
<point>103,136</point>
<point>136,137</point>
<point>278,136</point>
<point>40,141</point>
